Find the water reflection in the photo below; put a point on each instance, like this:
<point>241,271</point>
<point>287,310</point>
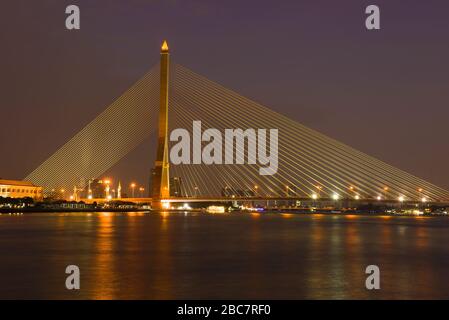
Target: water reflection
<point>244,256</point>
<point>104,273</point>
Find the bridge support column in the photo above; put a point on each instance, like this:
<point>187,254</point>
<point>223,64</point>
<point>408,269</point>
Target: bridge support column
<point>160,174</point>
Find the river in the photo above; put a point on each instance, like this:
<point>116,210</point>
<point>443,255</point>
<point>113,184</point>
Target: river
<point>222,256</point>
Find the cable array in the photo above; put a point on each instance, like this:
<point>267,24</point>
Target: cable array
<point>310,163</point>
<point>121,127</point>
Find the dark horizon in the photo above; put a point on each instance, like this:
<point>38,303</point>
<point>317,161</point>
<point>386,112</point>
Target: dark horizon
<point>312,61</point>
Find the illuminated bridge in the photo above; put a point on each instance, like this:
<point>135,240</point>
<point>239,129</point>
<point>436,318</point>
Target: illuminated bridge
<point>310,164</point>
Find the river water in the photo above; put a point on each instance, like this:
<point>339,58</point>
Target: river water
<point>228,256</point>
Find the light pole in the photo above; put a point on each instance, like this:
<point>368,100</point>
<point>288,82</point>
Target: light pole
<point>385,192</point>
<point>196,191</point>
<point>314,197</point>
<point>336,197</point>
<point>133,187</point>
<point>107,182</point>
<point>319,191</point>
<point>401,200</point>
<point>420,190</point>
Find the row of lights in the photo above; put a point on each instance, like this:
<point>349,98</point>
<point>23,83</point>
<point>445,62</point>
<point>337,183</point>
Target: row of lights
<point>336,196</point>
<point>107,182</point>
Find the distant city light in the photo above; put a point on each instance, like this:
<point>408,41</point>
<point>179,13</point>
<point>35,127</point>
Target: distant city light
<point>424,199</point>
<point>186,206</point>
<point>379,198</point>
<point>314,196</point>
<point>216,209</point>
<point>357,197</point>
<point>335,196</point>
<point>401,198</point>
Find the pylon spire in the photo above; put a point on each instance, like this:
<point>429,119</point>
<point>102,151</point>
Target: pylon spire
<point>160,175</point>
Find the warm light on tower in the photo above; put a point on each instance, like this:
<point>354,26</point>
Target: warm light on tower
<point>164,46</point>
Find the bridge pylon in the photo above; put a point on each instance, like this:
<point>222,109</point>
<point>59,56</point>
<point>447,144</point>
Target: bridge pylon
<point>160,174</point>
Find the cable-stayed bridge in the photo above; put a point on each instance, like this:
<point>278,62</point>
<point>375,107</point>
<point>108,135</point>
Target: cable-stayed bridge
<point>310,164</point>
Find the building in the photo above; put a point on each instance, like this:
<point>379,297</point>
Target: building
<point>96,189</point>
<point>20,189</point>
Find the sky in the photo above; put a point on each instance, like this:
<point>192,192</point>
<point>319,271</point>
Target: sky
<point>384,92</point>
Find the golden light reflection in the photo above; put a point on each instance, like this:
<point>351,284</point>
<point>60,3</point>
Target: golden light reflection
<point>104,258</point>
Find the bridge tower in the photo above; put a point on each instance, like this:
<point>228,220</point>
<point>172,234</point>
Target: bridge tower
<point>160,174</point>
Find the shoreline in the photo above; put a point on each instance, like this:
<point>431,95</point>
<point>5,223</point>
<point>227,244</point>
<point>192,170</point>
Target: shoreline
<point>273,211</point>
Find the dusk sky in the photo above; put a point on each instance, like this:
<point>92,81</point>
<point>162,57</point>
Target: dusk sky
<point>383,92</point>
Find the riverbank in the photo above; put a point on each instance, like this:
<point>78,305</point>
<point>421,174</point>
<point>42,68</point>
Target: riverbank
<point>30,210</point>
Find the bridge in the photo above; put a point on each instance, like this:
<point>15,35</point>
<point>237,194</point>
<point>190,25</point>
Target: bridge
<point>311,165</point>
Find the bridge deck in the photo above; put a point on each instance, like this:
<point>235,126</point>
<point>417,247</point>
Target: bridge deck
<point>258,199</point>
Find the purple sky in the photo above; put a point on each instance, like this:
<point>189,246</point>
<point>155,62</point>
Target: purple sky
<point>383,92</point>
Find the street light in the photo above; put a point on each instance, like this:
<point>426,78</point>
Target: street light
<point>107,182</point>
<point>133,186</point>
<point>196,191</point>
<point>420,195</point>
<point>319,189</point>
<point>141,189</point>
<point>385,192</point>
